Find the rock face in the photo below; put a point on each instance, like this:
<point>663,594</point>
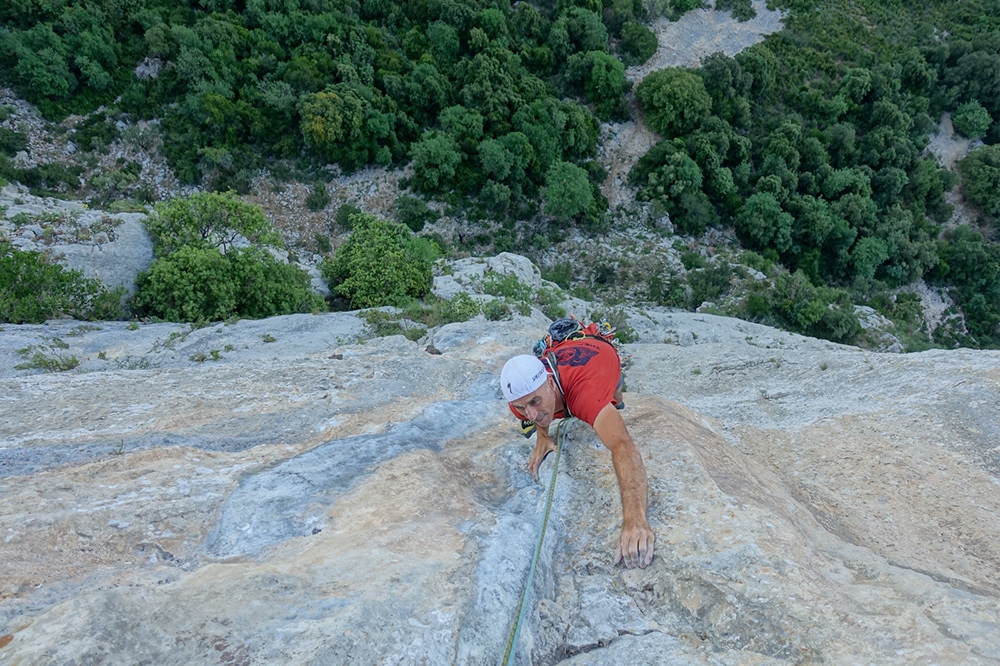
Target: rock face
<point>277,492</point>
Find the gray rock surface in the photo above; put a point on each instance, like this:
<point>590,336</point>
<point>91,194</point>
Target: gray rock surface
<point>111,247</point>
<point>283,491</point>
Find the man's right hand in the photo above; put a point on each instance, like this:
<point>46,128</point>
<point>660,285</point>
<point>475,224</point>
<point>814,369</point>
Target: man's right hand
<point>635,546</point>
<point>543,447</point>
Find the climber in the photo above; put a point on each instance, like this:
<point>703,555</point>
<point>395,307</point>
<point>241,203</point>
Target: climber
<point>587,385</point>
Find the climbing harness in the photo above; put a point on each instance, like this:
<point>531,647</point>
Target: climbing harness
<point>515,630</point>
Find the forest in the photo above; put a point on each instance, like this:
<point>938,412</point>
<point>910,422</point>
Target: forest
<point>810,146</point>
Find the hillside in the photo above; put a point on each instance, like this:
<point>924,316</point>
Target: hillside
<point>813,158</point>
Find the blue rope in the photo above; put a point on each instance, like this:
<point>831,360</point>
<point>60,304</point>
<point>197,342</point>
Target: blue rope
<point>515,631</point>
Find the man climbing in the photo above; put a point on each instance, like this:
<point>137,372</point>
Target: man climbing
<point>587,385</point>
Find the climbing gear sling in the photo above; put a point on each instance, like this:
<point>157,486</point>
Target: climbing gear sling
<point>515,630</point>
<point>562,330</point>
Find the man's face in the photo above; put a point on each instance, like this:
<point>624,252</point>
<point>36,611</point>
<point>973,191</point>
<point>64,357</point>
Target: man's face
<point>539,405</point>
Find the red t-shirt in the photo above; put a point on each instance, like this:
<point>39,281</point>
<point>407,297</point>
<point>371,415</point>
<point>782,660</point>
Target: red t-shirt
<point>589,370</point>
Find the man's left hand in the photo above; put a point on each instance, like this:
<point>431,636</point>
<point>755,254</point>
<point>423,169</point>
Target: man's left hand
<point>635,546</point>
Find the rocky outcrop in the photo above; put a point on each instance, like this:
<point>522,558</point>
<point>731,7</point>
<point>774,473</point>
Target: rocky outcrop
<point>284,491</point>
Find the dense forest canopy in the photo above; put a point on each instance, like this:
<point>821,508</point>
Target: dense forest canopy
<point>810,145</point>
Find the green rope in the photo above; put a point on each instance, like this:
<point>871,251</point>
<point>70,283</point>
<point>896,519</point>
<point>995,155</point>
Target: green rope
<point>515,631</point>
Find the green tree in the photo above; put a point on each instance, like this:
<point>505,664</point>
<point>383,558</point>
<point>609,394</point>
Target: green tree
<point>41,56</point>
<point>496,159</point>
<point>980,171</point>
<point>491,83</point>
<point>602,78</point>
<point>350,124</point>
<point>668,175</point>
<point>973,267</point>
<point>542,122</point>
<point>972,120</point>
<point>729,85</point>
<point>193,283</point>
<point>567,191</point>
<point>584,31</point>
<point>763,66</point>
<point>674,101</point>
<point>763,223</point>
<point>638,43</point>
<point>208,220</point>
<point>435,158</point>
<point>444,42</point>
<point>868,256</point>
<point>422,93</point>
<point>381,263</point>
<point>465,125</point>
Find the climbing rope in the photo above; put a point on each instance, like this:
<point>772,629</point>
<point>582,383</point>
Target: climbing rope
<point>515,631</point>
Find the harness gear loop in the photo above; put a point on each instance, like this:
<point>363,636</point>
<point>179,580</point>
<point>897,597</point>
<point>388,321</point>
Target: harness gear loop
<point>522,607</point>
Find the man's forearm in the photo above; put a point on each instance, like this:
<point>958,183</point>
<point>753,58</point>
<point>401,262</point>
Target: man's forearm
<point>628,464</point>
<point>635,545</point>
<point>632,483</point>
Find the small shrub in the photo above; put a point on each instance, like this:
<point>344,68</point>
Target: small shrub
<point>201,285</point>
<point>126,206</point>
<point>618,319</point>
<point>692,260</point>
<point>414,213</point>
<point>266,287</point>
<point>191,284</point>
<point>669,292</point>
<point>742,10</point>
<point>463,307</point>
<point>496,310</point>
<point>47,358</point>
<point>33,288</point>
<point>382,263</point>
<point>507,286</point>
<point>379,324</point>
<point>561,274</point>
<point>550,303</point>
<point>323,245</point>
<point>318,198</point>
<point>345,213</point>
<point>96,133</point>
<point>708,283</point>
<point>12,142</point>
<point>793,303</point>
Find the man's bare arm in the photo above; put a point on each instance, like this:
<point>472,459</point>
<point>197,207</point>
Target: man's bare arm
<point>635,545</point>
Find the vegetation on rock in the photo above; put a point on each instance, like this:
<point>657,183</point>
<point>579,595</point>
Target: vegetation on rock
<point>34,288</point>
<point>207,270</point>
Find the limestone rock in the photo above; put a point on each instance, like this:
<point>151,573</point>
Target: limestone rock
<point>300,496</point>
